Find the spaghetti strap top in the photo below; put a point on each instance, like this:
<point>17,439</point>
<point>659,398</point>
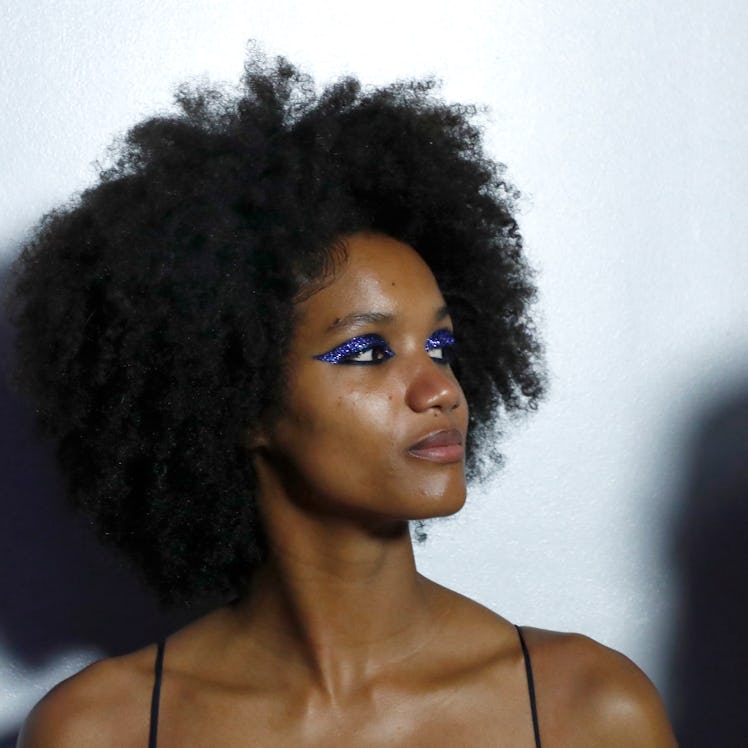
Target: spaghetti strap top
<point>159,670</point>
<point>156,696</point>
<point>530,687</point>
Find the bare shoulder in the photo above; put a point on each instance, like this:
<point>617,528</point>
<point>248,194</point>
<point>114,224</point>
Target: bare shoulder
<point>591,695</point>
<point>106,704</point>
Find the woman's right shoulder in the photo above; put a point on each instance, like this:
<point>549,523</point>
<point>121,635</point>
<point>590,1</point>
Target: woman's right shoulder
<point>106,704</point>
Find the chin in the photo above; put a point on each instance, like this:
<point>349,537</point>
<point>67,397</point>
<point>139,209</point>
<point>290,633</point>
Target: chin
<point>451,508</point>
<point>442,504</point>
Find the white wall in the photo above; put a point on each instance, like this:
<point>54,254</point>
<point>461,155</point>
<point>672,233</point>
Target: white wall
<point>623,124</point>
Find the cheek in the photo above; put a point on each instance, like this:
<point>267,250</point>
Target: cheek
<point>330,428</point>
<point>464,413</point>
<point>358,433</point>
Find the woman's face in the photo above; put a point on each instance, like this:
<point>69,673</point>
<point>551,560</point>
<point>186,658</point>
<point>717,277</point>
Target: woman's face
<point>373,424</point>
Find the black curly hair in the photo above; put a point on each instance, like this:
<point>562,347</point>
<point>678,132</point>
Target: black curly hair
<point>154,312</point>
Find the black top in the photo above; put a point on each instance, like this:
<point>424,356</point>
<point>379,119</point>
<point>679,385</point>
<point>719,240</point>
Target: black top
<point>156,697</point>
<point>159,670</point>
<point>530,687</point>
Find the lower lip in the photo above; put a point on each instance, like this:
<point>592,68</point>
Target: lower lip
<point>445,454</point>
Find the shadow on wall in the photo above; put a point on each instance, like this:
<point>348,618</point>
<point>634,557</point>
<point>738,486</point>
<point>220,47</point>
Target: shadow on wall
<point>710,651</point>
<point>60,590</point>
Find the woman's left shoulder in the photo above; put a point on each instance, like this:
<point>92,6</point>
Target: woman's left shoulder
<point>589,694</point>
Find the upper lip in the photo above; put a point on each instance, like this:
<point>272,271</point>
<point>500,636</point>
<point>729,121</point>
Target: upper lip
<point>441,438</point>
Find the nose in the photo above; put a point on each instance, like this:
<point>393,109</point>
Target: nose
<point>433,386</point>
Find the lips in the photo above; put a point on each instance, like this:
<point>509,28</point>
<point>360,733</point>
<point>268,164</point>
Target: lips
<point>443,446</point>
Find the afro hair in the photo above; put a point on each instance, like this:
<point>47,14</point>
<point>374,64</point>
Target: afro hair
<point>154,313</point>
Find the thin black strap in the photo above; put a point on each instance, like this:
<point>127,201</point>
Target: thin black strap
<point>530,687</point>
<point>156,697</point>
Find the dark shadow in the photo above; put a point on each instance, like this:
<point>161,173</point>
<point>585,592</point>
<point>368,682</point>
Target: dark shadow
<point>710,651</point>
<point>60,589</point>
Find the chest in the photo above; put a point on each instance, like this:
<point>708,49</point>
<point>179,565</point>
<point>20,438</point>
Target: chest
<point>474,715</point>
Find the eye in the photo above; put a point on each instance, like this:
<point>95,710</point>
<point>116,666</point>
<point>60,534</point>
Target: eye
<point>363,350</point>
<point>441,346</point>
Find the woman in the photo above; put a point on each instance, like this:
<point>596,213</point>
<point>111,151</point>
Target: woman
<point>255,342</point>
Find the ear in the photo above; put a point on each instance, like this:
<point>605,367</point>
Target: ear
<point>260,434</point>
<point>256,438</point>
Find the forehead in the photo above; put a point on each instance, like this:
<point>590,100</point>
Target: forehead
<point>379,275</point>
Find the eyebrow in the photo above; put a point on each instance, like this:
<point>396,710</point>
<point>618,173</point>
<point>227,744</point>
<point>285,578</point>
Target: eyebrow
<point>356,319</point>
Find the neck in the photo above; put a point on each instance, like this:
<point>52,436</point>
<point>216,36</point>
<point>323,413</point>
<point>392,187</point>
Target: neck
<point>339,601</point>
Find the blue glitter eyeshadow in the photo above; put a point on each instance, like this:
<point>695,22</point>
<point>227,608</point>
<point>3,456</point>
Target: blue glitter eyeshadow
<point>442,340</point>
<point>344,353</point>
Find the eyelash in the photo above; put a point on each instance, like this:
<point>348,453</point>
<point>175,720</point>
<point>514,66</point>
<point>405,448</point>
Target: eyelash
<point>346,353</point>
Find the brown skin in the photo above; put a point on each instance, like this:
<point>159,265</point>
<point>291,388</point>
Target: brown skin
<point>341,641</point>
